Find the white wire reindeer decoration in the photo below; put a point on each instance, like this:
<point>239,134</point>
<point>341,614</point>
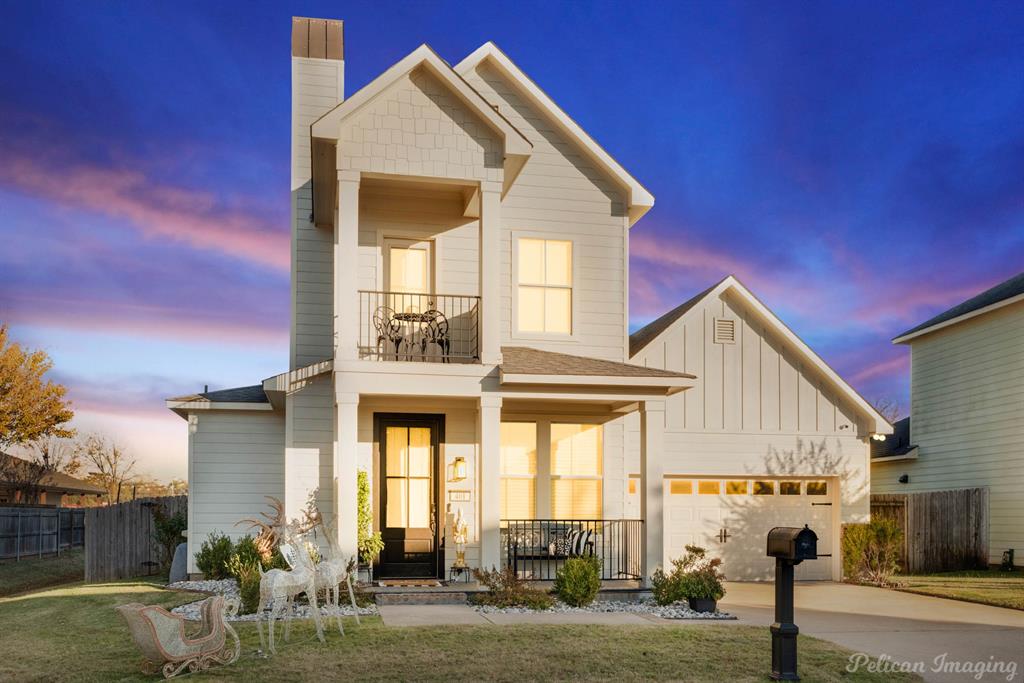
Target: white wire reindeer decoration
<point>280,587</point>
<point>333,568</point>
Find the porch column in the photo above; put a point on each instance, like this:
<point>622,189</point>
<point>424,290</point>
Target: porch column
<point>346,268</point>
<point>490,277</point>
<point>489,431</point>
<point>652,484</point>
<point>345,458</point>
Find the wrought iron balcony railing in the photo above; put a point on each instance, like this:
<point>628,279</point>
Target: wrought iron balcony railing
<point>536,548</point>
<point>432,328</point>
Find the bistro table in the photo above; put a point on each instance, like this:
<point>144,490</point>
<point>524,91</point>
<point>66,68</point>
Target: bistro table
<point>419,322</point>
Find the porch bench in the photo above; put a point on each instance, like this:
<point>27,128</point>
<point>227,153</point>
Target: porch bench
<point>561,543</point>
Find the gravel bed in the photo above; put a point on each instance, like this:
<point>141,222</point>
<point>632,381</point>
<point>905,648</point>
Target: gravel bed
<point>229,588</point>
<point>674,611</point>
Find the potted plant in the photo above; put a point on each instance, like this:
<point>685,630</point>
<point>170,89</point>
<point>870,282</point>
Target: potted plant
<point>694,578</point>
<point>703,586</point>
<point>369,543</point>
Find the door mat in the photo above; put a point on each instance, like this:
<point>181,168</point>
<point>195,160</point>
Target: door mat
<point>410,583</point>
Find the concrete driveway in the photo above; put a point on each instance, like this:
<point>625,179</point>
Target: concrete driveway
<point>934,632</point>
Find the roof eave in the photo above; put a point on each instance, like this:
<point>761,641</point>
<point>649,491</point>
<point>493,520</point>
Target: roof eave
<point>914,334</point>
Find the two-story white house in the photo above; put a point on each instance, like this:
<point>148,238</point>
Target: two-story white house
<point>460,308</point>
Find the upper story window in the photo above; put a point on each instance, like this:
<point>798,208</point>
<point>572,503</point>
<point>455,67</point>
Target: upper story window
<point>544,286</point>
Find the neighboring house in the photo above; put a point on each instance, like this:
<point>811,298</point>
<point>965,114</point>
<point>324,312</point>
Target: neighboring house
<point>966,424</point>
<point>460,303</point>
<point>23,482</point>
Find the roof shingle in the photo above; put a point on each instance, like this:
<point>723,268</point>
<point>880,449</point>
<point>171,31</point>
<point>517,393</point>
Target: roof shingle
<point>522,360</point>
<point>1004,290</point>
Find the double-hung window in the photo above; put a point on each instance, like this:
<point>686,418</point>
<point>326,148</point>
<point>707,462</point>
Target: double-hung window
<point>518,470</point>
<point>544,286</point>
<point>576,483</point>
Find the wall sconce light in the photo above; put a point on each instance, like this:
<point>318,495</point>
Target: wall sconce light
<point>904,479</point>
<point>458,469</point>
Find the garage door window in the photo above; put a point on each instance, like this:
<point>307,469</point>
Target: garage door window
<point>709,488</point>
<point>817,488</point>
<point>680,487</point>
<point>764,488</point>
<point>789,488</point>
<point>736,488</point>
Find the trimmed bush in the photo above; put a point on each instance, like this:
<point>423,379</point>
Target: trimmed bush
<point>247,573</point>
<point>214,555</point>
<point>693,575</point>
<point>871,551</point>
<point>506,589</point>
<point>578,580</point>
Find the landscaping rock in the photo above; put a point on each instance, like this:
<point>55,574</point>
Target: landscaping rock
<point>229,588</point>
<point>677,610</point>
<point>179,565</point>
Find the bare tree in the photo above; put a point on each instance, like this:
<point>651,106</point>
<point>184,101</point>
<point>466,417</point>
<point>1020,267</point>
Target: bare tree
<point>112,466</point>
<point>888,407</point>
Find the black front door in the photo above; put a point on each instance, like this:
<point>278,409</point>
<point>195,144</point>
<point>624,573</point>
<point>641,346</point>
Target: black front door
<point>409,447</point>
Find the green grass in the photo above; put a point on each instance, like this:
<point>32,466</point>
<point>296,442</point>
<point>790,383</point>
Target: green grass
<point>73,634</point>
<point>988,587</point>
<point>26,575</point>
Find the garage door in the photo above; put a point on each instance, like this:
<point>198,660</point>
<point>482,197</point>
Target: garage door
<point>731,519</point>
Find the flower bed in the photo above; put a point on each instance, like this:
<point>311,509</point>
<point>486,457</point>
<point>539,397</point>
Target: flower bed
<point>229,588</point>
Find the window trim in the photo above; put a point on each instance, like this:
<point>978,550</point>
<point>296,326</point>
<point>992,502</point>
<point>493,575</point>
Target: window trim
<point>573,288</point>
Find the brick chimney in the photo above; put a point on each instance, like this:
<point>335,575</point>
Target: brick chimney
<point>318,78</point>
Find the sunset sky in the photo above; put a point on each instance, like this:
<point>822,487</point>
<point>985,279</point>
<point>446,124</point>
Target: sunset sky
<point>859,167</point>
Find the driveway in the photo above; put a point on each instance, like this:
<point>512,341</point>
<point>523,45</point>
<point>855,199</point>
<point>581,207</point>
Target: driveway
<point>900,626</point>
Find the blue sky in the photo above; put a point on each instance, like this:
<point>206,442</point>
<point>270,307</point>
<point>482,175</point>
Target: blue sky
<point>859,165</point>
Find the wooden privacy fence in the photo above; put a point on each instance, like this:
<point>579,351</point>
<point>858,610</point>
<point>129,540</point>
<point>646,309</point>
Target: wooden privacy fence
<point>942,530</point>
<point>119,541</point>
<point>36,530</point>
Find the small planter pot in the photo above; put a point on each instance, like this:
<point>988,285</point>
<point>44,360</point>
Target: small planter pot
<point>702,604</point>
<point>365,573</point>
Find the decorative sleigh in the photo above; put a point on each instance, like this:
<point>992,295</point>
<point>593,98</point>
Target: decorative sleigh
<point>166,648</point>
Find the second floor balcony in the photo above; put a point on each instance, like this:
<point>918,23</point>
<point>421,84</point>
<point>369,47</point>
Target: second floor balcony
<point>408,326</point>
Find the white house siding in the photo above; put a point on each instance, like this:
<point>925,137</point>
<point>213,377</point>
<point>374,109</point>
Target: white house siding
<point>309,441</point>
<point>460,440</point>
<point>426,214</point>
<point>757,410</point>
<point>561,195</point>
<point>317,86</point>
<point>967,419</point>
<point>418,127</point>
<point>235,460</point>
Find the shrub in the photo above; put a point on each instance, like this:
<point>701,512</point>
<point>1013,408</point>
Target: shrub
<point>693,575</point>
<point>370,545</point>
<point>246,552</point>
<point>212,558</point>
<point>167,533</point>
<point>247,573</point>
<point>506,589</point>
<point>871,551</point>
<point>578,580</point>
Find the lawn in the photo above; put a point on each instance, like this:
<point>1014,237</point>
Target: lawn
<point>988,587</point>
<point>71,633</point>
<point>26,575</point>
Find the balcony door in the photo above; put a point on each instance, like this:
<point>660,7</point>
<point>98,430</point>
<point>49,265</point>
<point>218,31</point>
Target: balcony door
<point>409,459</point>
<point>408,274</point>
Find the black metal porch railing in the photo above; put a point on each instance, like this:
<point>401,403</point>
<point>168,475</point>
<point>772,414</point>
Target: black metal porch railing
<point>536,548</point>
<point>432,328</point>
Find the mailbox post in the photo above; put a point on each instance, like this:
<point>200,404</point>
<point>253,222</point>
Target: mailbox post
<point>789,546</point>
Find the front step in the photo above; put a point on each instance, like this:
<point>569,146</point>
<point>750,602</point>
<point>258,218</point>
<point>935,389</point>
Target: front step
<point>420,598</point>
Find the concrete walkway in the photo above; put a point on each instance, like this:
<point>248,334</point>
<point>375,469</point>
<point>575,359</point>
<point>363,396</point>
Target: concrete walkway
<point>901,626</point>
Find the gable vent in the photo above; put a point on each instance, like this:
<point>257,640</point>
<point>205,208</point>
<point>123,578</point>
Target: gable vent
<point>725,331</point>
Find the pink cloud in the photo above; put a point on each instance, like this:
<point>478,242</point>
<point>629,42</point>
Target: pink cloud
<point>884,368</point>
<point>157,210</point>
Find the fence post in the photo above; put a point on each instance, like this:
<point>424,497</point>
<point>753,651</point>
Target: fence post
<point>59,514</point>
<point>17,542</point>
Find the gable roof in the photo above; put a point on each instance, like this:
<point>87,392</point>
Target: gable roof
<point>639,198</point>
<point>516,144</point>
<point>1003,294</point>
<point>649,333</point>
<point>251,394</point>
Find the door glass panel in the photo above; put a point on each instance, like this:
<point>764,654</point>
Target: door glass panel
<point>397,516</point>
<point>409,270</point>
<point>419,503</point>
<point>419,452</point>
<point>397,445</point>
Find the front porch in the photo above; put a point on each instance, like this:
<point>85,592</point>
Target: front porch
<point>533,465</point>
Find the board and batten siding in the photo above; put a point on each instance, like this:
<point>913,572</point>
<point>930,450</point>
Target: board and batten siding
<point>967,420</point>
<point>317,86</point>
<point>757,409</point>
<point>235,461</point>
<point>560,194</point>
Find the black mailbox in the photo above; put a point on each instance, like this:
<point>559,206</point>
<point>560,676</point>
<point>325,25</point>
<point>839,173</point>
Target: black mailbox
<point>793,544</point>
